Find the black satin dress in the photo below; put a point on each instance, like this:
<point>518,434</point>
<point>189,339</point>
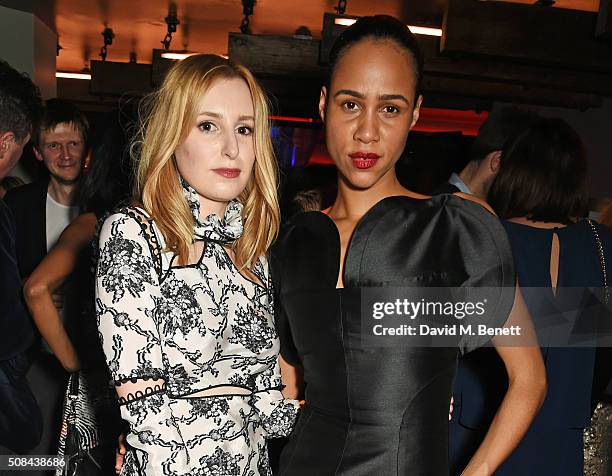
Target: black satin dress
<point>379,411</point>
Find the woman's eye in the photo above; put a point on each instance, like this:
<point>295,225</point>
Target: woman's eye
<point>391,109</point>
<point>206,126</point>
<point>245,130</point>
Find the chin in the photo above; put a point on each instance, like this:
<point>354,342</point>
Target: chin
<point>361,180</point>
<point>223,195</point>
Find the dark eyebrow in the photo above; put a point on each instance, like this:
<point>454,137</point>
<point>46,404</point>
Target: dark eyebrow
<point>382,97</point>
<point>349,92</point>
<point>392,97</point>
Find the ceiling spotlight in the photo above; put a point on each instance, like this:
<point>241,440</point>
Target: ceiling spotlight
<point>425,30</point>
<point>417,30</point>
<point>64,74</point>
<point>177,55</point>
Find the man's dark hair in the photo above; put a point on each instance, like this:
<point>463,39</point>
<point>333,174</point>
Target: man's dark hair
<point>378,27</point>
<point>20,102</point>
<point>497,129</point>
<point>59,111</point>
<point>542,174</point>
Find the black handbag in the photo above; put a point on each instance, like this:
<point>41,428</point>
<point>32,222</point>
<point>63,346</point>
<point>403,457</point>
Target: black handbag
<point>79,442</point>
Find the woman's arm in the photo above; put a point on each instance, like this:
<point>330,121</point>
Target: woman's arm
<point>129,305</point>
<point>525,395</point>
<point>48,277</point>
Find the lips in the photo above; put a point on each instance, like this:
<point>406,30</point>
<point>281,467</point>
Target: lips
<point>227,173</point>
<point>364,160</point>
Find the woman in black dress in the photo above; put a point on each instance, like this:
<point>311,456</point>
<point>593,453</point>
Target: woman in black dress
<point>384,410</point>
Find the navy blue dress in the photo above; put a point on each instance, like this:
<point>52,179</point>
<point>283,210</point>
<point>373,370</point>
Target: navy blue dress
<point>553,446</point>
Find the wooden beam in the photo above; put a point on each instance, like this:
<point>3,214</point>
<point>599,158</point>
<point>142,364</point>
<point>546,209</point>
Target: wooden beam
<point>331,31</point>
<point>604,20</point>
<point>510,92</point>
<point>116,79</point>
<point>276,55</point>
<point>525,33</point>
<point>498,69</point>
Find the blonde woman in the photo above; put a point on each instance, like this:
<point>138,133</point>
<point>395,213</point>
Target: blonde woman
<point>184,300</point>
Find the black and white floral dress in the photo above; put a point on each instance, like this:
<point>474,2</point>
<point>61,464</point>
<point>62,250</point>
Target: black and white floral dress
<point>201,327</point>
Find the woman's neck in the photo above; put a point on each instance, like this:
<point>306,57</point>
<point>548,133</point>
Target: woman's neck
<point>352,203</point>
<point>211,207</point>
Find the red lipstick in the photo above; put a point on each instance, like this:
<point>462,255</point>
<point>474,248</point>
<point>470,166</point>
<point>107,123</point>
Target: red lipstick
<point>364,160</point>
<point>227,173</point>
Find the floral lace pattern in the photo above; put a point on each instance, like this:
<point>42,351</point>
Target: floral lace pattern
<point>195,328</point>
<point>224,230</point>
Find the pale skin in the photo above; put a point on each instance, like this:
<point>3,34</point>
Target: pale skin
<point>370,107</point>
<point>11,149</point>
<point>221,137</point>
<point>62,149</point>
<point>225,131</point>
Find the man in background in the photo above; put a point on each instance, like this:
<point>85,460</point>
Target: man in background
<point>20,420</point>
<point>477,176</point>
<point>42,210</point>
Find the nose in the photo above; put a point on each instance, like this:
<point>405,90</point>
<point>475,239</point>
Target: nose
<point>65,151</point>
<point>367,128</point>
<point>230,145</point>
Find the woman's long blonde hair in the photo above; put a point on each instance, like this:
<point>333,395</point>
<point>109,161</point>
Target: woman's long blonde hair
<point>168,117</point>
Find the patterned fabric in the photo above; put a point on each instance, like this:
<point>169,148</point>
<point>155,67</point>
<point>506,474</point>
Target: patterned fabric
<point>196,327</point>
<point>92,410</point>
<point>212,227</point>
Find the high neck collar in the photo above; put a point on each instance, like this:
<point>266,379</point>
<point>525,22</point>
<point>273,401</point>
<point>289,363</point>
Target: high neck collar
<point>223,230</point>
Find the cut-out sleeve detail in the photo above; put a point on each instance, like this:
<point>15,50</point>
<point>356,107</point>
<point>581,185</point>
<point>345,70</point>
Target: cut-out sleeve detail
<point>133,390</point>
<point>127,295</point>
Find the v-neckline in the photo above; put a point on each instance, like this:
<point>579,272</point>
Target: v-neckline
<point>357,236</point>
